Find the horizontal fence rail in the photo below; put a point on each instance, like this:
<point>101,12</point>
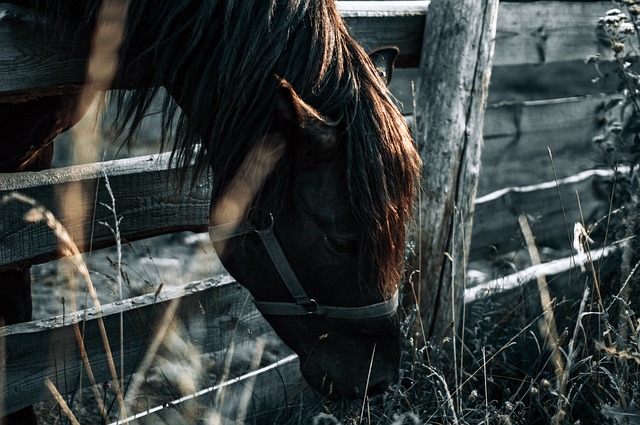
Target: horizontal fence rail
<point>519,135</point>
<point>553,207</point>
<point>528,33</point>
<point>30,70</point>
<point>147,198</point>
<point>214,313</point>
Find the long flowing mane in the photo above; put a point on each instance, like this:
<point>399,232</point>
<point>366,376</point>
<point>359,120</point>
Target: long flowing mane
<point>223,55</point>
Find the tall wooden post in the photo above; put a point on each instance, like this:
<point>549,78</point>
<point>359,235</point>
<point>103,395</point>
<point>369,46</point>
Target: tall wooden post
<point>455,67</point>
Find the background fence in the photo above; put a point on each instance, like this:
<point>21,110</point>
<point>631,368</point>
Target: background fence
<point>541,98</point>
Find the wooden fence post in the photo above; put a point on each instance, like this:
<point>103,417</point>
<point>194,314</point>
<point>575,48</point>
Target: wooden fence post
<point>452,89</point>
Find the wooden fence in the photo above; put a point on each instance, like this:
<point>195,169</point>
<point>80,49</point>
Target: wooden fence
<point>541,98</point>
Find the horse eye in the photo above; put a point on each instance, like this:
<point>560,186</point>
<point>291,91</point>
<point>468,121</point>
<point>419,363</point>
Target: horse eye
<point>341,245</point>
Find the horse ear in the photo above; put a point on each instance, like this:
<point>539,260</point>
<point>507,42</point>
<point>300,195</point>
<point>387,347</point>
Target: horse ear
<point>299,120</point>
<point>384,59</point>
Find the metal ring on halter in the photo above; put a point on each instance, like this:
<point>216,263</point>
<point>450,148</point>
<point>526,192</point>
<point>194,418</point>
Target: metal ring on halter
<point>312,307</point>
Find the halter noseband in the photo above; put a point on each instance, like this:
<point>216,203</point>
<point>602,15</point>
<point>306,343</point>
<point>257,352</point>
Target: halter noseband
<point>304,304</point>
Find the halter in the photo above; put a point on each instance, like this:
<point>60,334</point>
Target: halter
<point>304,305</point>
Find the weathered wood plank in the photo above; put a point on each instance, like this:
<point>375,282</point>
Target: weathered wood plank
<point>517,135</point>
<point>548,31</point>
<point>492,227</point>
<point>528,33</point>
<point>551,270</point>
<point>214,313</point>
<point>553,80</point>
<point>378,24</point>
<point>32,64</point>
<point>524,83</point>
<point>147,197</point>
<point>496,227</point>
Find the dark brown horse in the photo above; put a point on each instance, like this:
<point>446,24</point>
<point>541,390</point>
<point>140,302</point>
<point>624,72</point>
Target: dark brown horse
<point>314,167</point>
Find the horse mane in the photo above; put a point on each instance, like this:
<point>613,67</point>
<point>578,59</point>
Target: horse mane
<point>222,55</point>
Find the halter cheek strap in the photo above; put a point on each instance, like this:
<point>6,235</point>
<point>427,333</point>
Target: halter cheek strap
<point>303,305</point>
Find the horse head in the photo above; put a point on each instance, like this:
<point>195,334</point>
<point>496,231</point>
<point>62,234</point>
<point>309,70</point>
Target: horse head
<point>313,176</point>
<point>306,259</point>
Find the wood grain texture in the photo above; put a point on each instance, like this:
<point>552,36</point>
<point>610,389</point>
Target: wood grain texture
<point>551,207</point>
<point>523,83</point>
<point>542,32</point>
<point>517,137</point>
<point>549,31</point>
<point>32,62</point>
<point>147,196</point>
<point>214,313</point>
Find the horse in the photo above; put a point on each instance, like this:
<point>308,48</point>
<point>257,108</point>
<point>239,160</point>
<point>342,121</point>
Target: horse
<point>314,167</point>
